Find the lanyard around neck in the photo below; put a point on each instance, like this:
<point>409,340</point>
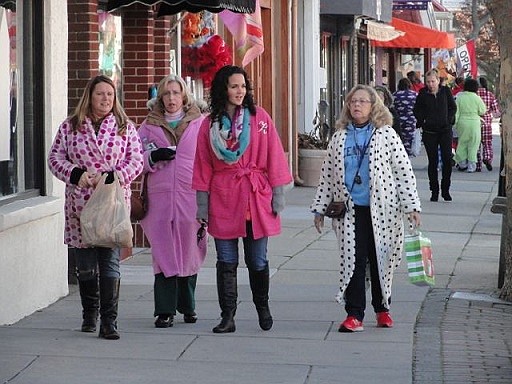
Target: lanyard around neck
<point>361,152</point>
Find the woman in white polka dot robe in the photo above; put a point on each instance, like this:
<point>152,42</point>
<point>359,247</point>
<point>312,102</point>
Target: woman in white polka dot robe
<point>368,168</point>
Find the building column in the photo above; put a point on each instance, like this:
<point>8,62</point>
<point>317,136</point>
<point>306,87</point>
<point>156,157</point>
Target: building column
<point>162,49</point>
<point>138,59</point>
<point>83,47</point>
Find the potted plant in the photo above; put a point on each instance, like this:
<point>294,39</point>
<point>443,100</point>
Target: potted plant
<point>312,150</point>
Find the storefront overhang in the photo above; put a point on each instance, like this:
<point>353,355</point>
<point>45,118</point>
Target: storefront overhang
<point>417,36</point>
<point>176,6</point>
<point>380,10</point>
<point>381,31</point>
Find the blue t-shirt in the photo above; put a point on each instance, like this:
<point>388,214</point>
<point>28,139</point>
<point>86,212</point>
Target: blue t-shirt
<point>357,145</point>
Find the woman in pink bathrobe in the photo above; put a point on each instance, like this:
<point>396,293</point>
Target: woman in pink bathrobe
<point>96,138</point>
<point>240,172</point>
<point>169,137</point>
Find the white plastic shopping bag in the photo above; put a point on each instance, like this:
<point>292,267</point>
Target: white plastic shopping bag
<point>105,219</point>
<point>416,143</point>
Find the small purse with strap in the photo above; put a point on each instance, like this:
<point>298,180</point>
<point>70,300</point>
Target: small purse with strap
<point>336,210</point>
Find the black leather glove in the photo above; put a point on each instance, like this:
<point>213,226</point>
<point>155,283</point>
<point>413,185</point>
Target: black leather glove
<point>162,154</point>
<point>110,177</point>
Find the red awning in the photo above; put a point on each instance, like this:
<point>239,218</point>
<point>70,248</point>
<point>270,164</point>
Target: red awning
<point>417,36</point>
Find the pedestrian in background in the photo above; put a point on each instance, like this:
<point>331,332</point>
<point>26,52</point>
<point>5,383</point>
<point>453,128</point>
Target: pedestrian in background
<point>404,99</point>
<point>387,98</point>
<point>240,172</point>
<point>435,114</point>
<point>416,83</point>
<point>97,138</point>
<point>459,86</point>
<point>470,108</point>
<point>492,111</point>
<point>368,168</point>
<point>169,137</point>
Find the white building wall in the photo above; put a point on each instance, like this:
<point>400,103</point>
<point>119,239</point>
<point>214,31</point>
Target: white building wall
<point>309,63</point>
<point>33,258</point>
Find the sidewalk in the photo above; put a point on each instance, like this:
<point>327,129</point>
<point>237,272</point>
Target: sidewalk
<point>457,332</point>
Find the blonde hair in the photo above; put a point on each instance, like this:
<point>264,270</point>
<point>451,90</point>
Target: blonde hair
<point>379,113</point>
<point>433,72</point>
<point>83,109</point>
<point>188,99</point>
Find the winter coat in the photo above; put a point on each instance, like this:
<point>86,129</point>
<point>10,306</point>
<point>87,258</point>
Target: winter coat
<point>170,223</point>
<point>435,113</point>
<point>235,189</point>
<point>102,152</point>
<point>392,194</point>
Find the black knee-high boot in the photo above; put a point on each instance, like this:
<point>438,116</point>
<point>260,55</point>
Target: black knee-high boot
<point>259,281</point>
<point>90,297</point>
<point>228,296</point>
<point>109,299</point>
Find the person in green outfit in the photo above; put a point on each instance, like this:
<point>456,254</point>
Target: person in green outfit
<point>470,109</point>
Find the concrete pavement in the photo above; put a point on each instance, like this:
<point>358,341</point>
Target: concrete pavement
<point>457,332</point>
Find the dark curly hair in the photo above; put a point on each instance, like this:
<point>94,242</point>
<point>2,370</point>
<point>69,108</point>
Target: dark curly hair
<point>219,92</point>
<point>483,83</point>
<point>471,85</point>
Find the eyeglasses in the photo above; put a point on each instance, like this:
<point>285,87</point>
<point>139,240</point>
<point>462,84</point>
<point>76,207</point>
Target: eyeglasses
<point>201,233</point>
<point>358,101</point>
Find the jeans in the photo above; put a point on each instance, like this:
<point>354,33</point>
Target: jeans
<point>93,261</point>
<point>255,251</point>
<point>355,295</point>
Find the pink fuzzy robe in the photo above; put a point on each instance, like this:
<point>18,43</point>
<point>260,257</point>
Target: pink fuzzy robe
<point>170,224</point>
<point>102,152</point>
<point>244,186</point>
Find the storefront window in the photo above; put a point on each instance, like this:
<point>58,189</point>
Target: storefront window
<point>22,157</point>
<point>111,49</point>
<point>8,103</point>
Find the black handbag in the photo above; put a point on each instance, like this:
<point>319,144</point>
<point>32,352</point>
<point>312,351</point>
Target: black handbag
<point>336,210</point>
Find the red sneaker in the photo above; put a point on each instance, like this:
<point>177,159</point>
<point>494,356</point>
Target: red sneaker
<point>351,324</point>
<point>384,320</point>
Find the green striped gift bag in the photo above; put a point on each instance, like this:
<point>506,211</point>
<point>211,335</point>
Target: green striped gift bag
<point>418,252</point>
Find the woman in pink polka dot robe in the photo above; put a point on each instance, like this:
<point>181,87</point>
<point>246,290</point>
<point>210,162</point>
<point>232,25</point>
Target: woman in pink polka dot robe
<point>97,138</point>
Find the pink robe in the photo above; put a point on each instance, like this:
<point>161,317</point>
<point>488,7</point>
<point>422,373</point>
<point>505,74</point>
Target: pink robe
<point>245,185</point>
<point>97,153</point>
<point>170,224</point>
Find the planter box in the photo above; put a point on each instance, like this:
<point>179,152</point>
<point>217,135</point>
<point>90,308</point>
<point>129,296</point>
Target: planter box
<point>310,164</point>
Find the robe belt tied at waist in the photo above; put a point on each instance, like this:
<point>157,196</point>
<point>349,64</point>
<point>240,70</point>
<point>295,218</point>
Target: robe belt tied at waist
<point>252,173</point>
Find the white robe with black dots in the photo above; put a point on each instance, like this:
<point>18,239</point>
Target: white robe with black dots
<point>393,193</point>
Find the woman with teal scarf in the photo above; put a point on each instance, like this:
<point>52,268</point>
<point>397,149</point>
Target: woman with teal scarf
<point>239,174</point>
